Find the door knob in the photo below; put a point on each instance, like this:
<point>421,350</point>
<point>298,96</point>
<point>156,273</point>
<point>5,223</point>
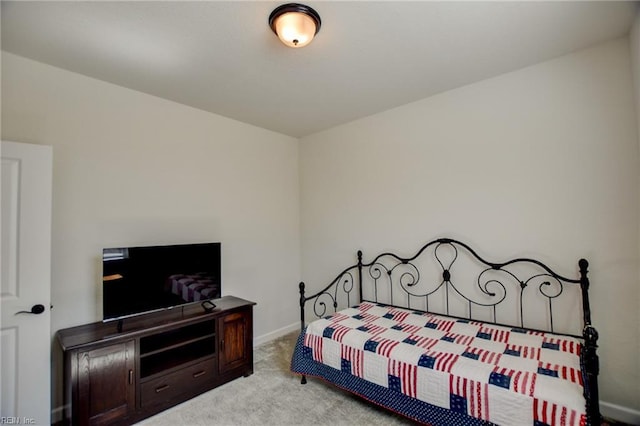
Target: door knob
<point>35,309</point>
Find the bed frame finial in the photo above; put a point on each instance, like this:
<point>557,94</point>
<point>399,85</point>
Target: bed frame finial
<point>584,286</point>
<point>302,301</point>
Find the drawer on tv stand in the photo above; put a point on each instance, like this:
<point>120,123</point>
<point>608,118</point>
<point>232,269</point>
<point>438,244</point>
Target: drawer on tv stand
<point>183,381</point>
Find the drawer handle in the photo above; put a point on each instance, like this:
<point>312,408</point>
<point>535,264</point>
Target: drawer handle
<point>199,373</point>
<point>162,388</point>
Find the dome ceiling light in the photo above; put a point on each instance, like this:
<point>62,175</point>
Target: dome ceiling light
<point>295,24</point>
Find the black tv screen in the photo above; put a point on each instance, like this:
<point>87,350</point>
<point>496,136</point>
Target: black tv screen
<point>138,280</point>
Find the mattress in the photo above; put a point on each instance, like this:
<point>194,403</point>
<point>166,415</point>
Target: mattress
<point>443,370</point>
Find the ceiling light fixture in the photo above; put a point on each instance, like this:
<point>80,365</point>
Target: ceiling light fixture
<point>295,24</point>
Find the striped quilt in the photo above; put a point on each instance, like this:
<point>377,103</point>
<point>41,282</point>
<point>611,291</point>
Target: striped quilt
<point>441,370</point>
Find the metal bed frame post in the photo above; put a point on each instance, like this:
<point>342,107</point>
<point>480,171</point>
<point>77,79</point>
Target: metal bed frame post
<point>591,360</point>
<point>302,302</point>
<point>360,275</point>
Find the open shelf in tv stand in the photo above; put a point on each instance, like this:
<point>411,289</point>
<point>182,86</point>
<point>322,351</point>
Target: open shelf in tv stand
<point>121,373</point>
<point>162,352</point>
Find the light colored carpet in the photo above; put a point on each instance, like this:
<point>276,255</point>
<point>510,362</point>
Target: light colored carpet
<point>274,396</point>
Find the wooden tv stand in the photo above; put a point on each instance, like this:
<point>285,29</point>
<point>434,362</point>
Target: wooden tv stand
<point>156,361</point>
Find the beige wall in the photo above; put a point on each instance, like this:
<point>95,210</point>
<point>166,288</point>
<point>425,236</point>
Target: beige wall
<point>634,37</point>
<point>541,162</point>
<point>132,169</point>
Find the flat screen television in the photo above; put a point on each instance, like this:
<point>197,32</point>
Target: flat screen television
<point>139,280</point>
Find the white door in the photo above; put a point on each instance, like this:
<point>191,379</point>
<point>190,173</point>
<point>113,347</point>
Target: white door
<point>25,268</point>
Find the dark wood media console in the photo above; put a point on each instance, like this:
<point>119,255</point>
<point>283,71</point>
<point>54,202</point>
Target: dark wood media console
<point>156,361</point>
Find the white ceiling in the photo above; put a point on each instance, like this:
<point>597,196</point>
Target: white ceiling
<point>369,56</point>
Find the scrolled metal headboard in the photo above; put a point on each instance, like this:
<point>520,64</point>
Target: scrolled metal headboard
<point>401,277</point>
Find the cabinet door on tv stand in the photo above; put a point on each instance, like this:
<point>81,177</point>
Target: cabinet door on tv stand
<point>236,342</point>
<point>106,384</point>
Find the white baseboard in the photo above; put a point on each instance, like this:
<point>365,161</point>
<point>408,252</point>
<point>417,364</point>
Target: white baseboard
<point>620,413</point>
<point>257,341</point>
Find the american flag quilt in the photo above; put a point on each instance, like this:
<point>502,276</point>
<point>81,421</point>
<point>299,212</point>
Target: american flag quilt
<point>442,371</point>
